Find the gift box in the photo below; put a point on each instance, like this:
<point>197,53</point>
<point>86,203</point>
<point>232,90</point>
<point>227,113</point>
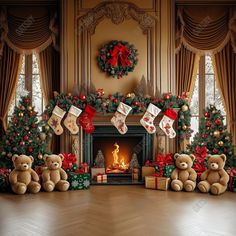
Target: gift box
<point>4,180</point>
<point>147,170</point>
<point>69,162</point>
<point>232,179</point>
<point>84,167</point>
<point>78,181</point>
<point>135,173</point>
<point>97,170</point>
<point>101,178</point>
<point>157,182</point>
<point>167,170</point>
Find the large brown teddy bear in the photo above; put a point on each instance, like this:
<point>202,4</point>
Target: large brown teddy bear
<point>23,178</point>
<point>54,177</point>
<point>215,178</point>
<point>183,176</point>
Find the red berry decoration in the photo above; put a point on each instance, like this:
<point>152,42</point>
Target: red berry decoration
<point>217,122</point>
<point>136,103</point>
<point>30,149</point>
<point>33,125</point>
<point>207,114</point>
<point>82,97</point>
<point>26,138</point>
<point>115,100</point>
<point>208,124</point>
<point>204,136</point>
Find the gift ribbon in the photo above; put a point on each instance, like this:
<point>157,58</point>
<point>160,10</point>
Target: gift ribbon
<point>120,52</point>
<point>156,179</point>
<point>69,160</point>
<point>231,172</point>
<point>102,175</point>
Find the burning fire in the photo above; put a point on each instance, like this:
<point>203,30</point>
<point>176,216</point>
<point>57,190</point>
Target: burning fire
<point>118,165</point>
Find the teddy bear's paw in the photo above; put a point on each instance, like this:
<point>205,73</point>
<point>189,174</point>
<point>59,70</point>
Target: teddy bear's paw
<point>216,189</point>
<point>202,188</point>
<point>65,186</point>
<point>21,189</point>
<point>48,187</point>
<point>176,186</point>
<point>35,189</point>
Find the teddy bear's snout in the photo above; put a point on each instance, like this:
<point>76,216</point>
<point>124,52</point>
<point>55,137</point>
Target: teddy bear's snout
<point>25,166</point>
<point>56,164</point>
<point>183,165</point>
<point>214,166</point>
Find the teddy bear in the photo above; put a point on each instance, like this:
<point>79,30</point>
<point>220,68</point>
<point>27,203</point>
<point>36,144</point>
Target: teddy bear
<point>215,178</point>
<point>183,176</point>
<point>54,177</point>
<point>23,178</point>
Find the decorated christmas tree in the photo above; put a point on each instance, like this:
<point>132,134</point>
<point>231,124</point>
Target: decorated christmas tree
<point>214,136</point>
<point>99,160</point>
<point>134,162</point>
<point>23,135</point>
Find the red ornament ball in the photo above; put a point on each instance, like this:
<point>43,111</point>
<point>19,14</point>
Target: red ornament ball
<point>33,125</point>
<point>217,121</point>
<point>204,136</point>
<point>208,124</point>
<point>27,100</point>
<point>206,114</point>
<point>26,138</point>
<point>166,97</point>
<point>214,151</point>
<point>22,143</point>
<point>136,103</point>
<point>115,100</point>
<point>82,97</point>
<point>30,149</point>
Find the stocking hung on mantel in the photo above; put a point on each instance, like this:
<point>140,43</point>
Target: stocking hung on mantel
<point>55,120</point>
<point>118,120</point>
<point>166,123</point>
<point>148,118</point>
<point>70,121</point>
<point>86,118</point>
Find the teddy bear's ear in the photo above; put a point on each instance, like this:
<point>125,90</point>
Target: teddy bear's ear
<point>32,159</point>
<point>61,156</point>
<point>207,157</point>
<point>176,156</point>
<point>223,157</point>
<point>192,157</point>
<point>45,156</point>
<point>14,157</point>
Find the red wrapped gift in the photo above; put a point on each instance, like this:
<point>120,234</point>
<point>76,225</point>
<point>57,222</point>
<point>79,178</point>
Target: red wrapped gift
<point>69,161</point>
<point>85,167</point>
<point>232,174</point>
<point>5,173</point>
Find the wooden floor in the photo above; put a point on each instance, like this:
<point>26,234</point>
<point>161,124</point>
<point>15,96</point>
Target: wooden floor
<point>118,211</point>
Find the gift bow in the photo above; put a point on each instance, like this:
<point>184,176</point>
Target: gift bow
<point>200,152</point>
<point>119,52</point>
<point>231,171</point>
<point>68,161</point>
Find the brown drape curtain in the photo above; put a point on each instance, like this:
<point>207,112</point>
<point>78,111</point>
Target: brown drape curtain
<point>49,62</point>
<point>184,69</point>
<point>9,69</point>
<point>225,64</point>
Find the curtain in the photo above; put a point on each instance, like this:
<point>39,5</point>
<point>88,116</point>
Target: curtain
<point>9,71</point>
<point>225,64</point>
<point>184,70</point>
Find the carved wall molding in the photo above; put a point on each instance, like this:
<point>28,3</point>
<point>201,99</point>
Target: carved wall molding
<point>117,12</point>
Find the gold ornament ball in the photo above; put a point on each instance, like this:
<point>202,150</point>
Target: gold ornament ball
<point>21,114</point>
<point>42,136</point>
<point>29,108</point>
<point>220,143</point>
<point>184,108</point>
<point>40,156</point>
<point>46,127</point>
<point>184,127</point>
<point>216,133</point>
<point>128,95</point>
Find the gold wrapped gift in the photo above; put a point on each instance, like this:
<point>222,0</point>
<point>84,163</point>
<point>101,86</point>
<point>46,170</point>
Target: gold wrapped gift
<point>102,178</point>
<point>147,170</point>
<point>156,182</point>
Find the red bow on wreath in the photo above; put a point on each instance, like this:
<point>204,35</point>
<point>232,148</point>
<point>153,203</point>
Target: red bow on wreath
<point>119,53</point>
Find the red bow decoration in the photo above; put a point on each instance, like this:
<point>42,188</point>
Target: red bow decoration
<point>119,54</point>
<point>164,160</point>
<point>69,160</point>
<point>200,154</point>
<point>84,167</point>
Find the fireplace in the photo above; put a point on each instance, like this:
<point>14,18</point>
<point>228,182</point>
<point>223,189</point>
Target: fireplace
<point>118,150</point>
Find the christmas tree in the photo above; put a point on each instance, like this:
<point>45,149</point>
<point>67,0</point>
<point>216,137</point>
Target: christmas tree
<point>134,162</point>
<point>99,160</point>
<point>23,135</point>
<point>214,136</point>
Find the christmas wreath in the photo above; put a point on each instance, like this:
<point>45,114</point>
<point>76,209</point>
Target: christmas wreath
<point>117,58</point>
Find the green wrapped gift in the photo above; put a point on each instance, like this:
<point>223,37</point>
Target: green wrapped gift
<point>3,187</point>
<point>78,181</point>
<point>167,170</point>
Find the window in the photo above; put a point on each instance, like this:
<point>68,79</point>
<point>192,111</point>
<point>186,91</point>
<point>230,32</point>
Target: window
<point>205,92</point>
<point>29,80</point>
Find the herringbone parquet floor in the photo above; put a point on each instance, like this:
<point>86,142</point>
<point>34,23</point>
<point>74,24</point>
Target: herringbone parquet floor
<point>118,211</point>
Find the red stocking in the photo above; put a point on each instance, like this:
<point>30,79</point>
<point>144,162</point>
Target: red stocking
<point>85,119</point>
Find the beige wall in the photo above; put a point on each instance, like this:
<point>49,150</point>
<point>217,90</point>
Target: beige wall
<point>80,48</point>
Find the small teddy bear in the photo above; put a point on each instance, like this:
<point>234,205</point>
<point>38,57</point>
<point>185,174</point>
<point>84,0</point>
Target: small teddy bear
<point>23,178</point>
<point>54,177</point>
<point>183,176</point>
<point>215,178</point>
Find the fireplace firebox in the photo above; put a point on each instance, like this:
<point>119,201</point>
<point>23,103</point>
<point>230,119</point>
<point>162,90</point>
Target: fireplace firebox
<point>118,150</point>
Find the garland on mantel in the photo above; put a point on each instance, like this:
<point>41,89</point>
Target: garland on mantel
<point>108,104</point>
